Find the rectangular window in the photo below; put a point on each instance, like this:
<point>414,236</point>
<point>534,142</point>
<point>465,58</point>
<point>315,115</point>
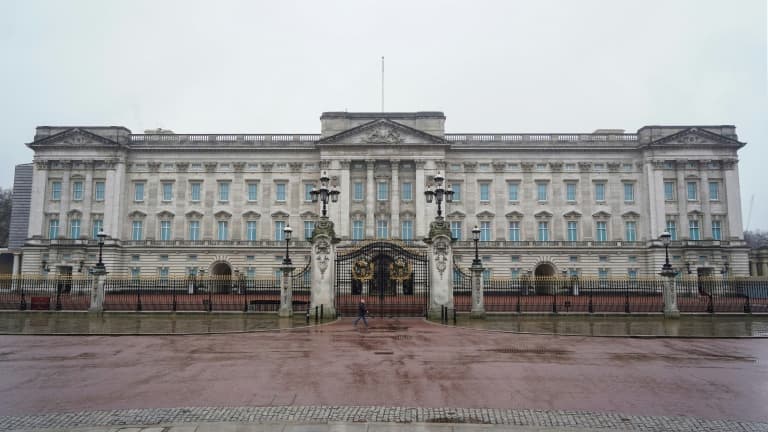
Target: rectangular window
<point>512,191</point>
<point>570,192</point>
<point>573,232</point>
<point>485,231</point>
<point>195,191</point>
<point>279,233</point>
<point>514,231</point>
<point>714,191</point>
<point>309,228</point>
<point>253,191</point>
<point>77,191</point>
<point>99,191</point>
<point>485,192</point>
<point>630,231</point>
<point>601,231</point>
<point>164,272</point>
<point>250,273</point>
<point>632,273</point>
<point>165,230</point>
<point>98,226</point>
<point>382,191</point>
<point>456,188</point>
<point>56,190</point>
<point>135,272</point>
<point>74,229</point>
<point>222,233</point>
<point>543,231</point>
<point>693,191</point>
<point>693,229</point>
<point>406,191</point>
<point>136,230</point>
<point>224,191</point>
<point>602,273</point>
<point>599,192</point>
<point>308,188</point>
<point>382,231</point>
<point>669,191</point>
<point>541,191</point>
<point>138,191</point>
<point>672,229</point>
<point>280,192</point>
<point>359,192</point>
<point>629,192</point>
<point>456,230</point>
<point>167,191</point>
<point>194,230</point>
<point>250,230</point>
<point>514,273</point>
<point>716,235</point>
<point>406,230</point>
<point>357,230</point>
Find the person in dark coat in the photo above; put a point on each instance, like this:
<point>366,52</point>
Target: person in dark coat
<point>362,311</point>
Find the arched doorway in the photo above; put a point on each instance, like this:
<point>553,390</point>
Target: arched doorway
<point>221,275</point>
<point>543,283</point>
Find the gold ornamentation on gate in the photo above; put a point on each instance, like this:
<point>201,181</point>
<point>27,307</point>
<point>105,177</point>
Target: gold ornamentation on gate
<point>400,270</point>
<point>362,270</point>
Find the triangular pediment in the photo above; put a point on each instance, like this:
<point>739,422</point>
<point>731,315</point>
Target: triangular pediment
<point>74,137</point>
<point>383,132</point>
<point>573,214</point>
<point>696,137</point>
<point>456,214</point>
<point>514,214</point>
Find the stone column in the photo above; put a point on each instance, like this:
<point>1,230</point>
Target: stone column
<point>419,201</point>
<point>670,296</point>
<point>683,230</point>
<point>655,189</point>
<point>97,290</point>
<point>286,292</point>
<point>323,267</point>
<point>370,200</point>
<point>86,227</point>
<point>733,199</point>
<point>343,207</point>
<point>15,272</point>
<point>752,267</point>
<point>441,268</point>
<point>706,217</point>
<point>394,231</point>
<point>116,192</point>
<point>38,198</point>
<point>478,306</point>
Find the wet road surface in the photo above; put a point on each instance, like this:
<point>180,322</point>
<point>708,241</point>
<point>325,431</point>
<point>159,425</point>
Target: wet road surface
<point>404,362</point>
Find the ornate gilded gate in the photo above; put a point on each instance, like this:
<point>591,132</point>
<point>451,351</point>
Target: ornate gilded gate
<point>393,279</point>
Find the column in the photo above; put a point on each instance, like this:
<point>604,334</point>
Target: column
<point>87,220</point>
<point>97,290</point>
<point>706,229</point>
<point>500,200</point>
<point>286,292</point>
<point>419,201</point>
<point>323,266</point>
<point>370,200</point>
<point>66,196</point>
<point>394,230</point>
<point>670,297</point>
<point>733,197</point>
<point>15,272</point>
<point>180,199</point>
<point>343,207</point>
<point>655,197</point>
<point>39,196</point>
<point>441,274</point>
<point>683,230</point>
<point>478,306</point>
<point>114,195</point>
<point>266,199</point>
<point>752,266</point>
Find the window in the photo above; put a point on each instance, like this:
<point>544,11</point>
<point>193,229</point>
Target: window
<point>194,230</point>
<point>165,230</point>
<point>570,167</point>
<point>602,273</point>
<point>573,272</point>
<point>456,188</point>
<point>627,167</point>
<point>309,228</point>
<point>250,273</point>
<point>308,188</point>
<point>74,228</point>
<point>382,191</point>
<point>693,229</point>
<point>485,231</point>
<point>99,191</point>
<point>357,230</point>
<point>573,232</point>
<point>253,191</point>
<point>135,272</point>
<point>77,191</point>
<point>632,259</point>
<point>280,192</point>
<point>630,231</point>
<point>573,258</point>
<point>603,258</point>
<point>195,191</point>
<point>56,190</point>
<point>514,231</point>
<point>543,231</point>
<point>250,231</point>
<point>672,229</point>
<point>512,191</point>
<point>541,191</point>
<point>456,230</point>
<point>138,191</point>
<point>716,235</point>
<point>223,191</point>
<point>167,191</point>
<point>406,230</point>
<point>669,191</point>
<point>98,226</point>
<point>163,272</point>
<point>632,273</point>
<point>629,192</point>
<point>693,191</point>
<point>359,192</point>
<point>279,233</point>
<point>601,231</point>
<point>599,192</point>
<point>136,230</point>
<point>514,273</point>
<point>541,166</point>
<point>714,191</point>
<point>570,192</point>
<point>135,258</point>
<point>222,232</point>
<point>382,231</point>
<point>407,191</point>
<point>485,192</point>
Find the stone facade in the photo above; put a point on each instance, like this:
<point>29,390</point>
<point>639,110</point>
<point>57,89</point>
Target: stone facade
<point>586,203</point>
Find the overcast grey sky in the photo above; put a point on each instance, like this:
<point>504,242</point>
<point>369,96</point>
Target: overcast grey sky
<point>491,66</point>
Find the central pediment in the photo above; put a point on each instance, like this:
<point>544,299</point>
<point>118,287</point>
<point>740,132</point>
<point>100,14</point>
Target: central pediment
<point>383,132</point>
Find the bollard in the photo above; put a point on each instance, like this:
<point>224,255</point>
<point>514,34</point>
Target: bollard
<point>454,315</point>
<point>317,316</point>
<point>626,304</point>
<point>307,313</point>
<point>321,313</point>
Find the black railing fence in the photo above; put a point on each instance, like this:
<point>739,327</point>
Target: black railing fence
<point>34,292</point>
<point>301,284</point>
<point>462,289</point>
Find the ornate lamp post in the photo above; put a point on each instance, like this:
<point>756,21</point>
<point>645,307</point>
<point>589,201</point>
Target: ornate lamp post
<point>100,265</point>
<point>476,238</point>
<point>287,231</point>
<point>666,269</point>
<point>439,193</point>
<point>670,295</point>
<point>325,192</point>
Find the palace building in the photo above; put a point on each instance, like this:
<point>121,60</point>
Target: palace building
<point>587,204</point>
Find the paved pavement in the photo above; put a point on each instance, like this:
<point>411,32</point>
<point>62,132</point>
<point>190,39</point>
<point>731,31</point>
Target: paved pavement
<point>324,372</point>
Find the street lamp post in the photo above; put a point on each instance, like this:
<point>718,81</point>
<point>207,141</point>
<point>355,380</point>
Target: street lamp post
<point>666,269</point>
<point>325,192</point>
<point>439,193</point>
<point>476,238</point>
<point>670,295</point>
<point>100,265</point>
<point>287,231</point>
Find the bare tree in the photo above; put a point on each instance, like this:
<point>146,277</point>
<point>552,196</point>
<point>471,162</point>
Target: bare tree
<point>5,215</point>
<point>756,238</point>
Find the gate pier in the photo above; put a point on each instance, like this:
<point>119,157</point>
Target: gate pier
<point>441,267</point>
<point>323,265</point>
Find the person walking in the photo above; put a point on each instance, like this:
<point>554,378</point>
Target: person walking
<point>362,311</point>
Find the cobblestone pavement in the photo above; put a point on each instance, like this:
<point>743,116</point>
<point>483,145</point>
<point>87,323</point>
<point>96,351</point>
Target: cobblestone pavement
<point>396,417</point>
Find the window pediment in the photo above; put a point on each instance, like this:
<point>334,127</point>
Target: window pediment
<point>601,215</point>
<point>280,215</point>
<point>251,215</point>
<point>543,214</point>
<point>514,215</point>
<point>455,215</point>
<point>573,214</point>
<point>222,214</point>
<point>486,215</point>
<point>137,214</point>
<point>309,215</point>
<point>193,214</point>
<point>630,215</point>
<point>165,214</point>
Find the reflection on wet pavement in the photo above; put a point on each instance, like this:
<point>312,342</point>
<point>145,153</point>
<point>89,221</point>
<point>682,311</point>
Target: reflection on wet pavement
<point>140,323</point>
<point>585,325</point>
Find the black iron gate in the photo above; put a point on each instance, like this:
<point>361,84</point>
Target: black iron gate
<point>393,280</point>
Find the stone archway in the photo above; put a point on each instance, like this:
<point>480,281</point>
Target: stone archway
<point>221,277</point>
<point>543,274</point>
<point>544,270</point>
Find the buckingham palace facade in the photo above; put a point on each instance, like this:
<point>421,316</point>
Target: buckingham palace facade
<point>587,204</point>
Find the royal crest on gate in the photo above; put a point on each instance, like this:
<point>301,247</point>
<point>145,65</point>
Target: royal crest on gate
<point>400,270</point>
<point>362,270</point>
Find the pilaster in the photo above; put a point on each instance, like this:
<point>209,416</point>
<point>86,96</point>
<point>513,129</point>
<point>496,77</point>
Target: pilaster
<point>286,292</point>
<point>419,201</point>
<point>394,231</point>
<point>370,197</point>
